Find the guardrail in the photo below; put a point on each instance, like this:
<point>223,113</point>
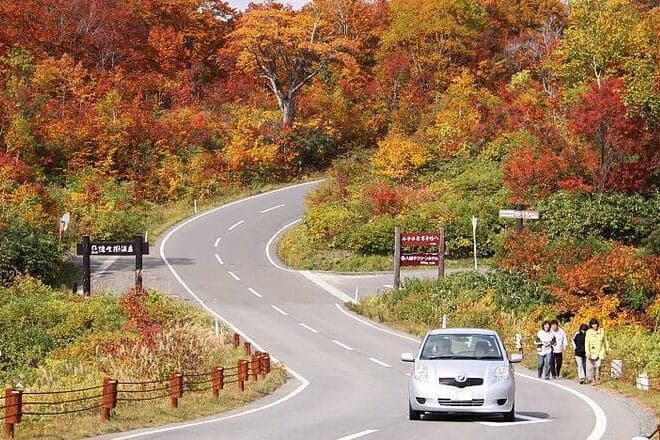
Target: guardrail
<point>106,396</point>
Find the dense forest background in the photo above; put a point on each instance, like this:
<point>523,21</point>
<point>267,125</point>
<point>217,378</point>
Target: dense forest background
<point>426,111</point>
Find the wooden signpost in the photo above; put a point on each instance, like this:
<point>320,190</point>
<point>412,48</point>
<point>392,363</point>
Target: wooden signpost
<point>420,255</point>
<point>86,248</point>
<point>520,215</point>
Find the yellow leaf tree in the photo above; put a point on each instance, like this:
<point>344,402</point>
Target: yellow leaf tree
<point>398,156</point>
<point>288,49</point>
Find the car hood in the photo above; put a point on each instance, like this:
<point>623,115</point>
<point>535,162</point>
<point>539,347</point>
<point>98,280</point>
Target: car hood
<point>470,368</point>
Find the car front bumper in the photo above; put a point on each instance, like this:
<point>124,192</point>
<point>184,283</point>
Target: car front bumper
<point>479,399</point>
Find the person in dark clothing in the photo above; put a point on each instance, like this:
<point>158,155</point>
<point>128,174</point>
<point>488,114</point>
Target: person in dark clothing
<point>580,352</point>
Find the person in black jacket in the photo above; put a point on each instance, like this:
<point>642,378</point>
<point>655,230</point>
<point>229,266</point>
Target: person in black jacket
<point>580,352</point>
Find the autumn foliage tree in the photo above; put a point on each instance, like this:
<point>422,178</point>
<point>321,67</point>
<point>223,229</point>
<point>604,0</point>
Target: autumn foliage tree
<point>288,49</point>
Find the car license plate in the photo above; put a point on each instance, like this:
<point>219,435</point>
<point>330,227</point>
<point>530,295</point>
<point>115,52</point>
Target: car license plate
<point>462,395</point>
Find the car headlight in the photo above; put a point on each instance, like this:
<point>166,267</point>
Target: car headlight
<point>502,374</point>
<point>421,372</point>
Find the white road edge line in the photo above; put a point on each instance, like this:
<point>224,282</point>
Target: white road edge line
<point>526,420</point>
<point>271,209</point>
<point>217,257</point>
<point>282,312</point>
<point>233,275</point>
<point>358,434</point>
<point>238,223</point>
<point>254,292</point>
<point>217,242</point>
<point>332,290</point>
<point>342,345</point>
<point>367,323</point>
<point>379,362</point>
<point>304,383</point>
<point>313,330</point>
<point>600,425</point>
<point>601,419</point>
<point>270,243</point>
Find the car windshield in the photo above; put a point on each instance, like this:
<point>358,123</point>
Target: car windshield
<point>461,346</point>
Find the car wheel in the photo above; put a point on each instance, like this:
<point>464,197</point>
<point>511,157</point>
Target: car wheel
<point>511,415</point>
<point>412,414</point>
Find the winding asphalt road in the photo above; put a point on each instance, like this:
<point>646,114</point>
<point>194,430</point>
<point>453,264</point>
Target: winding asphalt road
<point>346,379</point>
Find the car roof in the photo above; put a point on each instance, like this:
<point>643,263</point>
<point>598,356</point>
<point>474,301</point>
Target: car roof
<point>462,331</point>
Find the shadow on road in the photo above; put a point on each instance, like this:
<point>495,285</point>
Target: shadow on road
<point>483,417</point>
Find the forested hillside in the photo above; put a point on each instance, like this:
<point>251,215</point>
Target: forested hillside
<point>443,109</point>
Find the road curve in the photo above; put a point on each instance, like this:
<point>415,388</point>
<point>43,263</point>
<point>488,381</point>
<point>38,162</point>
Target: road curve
<point>346,380</point>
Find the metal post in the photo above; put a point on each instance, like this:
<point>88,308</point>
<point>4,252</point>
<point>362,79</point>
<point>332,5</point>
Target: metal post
<point>519,219</point>
<point>397,257</point>
<point>137,248</point>
<point>474,239</point>
<point>441,253</point>
<point>86,267</point>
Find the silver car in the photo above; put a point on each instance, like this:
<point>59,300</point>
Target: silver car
<point>462,370</point>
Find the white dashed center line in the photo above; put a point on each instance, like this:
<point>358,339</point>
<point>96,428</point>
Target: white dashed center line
<point>381,363</point>
<point>233,275</point>
<point>358,434</point>
<point>308,327</point>
<point>279,310</point>
<point>271,209</point>
<point>342,345</point>
<point>217,257</point>
<point>254,292</point>
<point>238,223</point>
<point>217,242</point>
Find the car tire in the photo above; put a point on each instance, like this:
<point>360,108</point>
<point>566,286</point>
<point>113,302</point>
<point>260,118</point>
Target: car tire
<point>511,415</point>
<point>412,414</point>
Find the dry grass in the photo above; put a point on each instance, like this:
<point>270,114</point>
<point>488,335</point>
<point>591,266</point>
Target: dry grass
<point>129,416</point>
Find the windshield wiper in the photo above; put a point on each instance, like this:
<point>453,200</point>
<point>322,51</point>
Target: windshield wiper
<point>449,357</point>
<point>481,358</point>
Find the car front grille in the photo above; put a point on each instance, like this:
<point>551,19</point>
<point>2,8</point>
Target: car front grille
<point>449,402</point>
<point>469,382</point>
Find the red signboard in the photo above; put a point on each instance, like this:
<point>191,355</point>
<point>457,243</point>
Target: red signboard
<point>420,239</point>
<point>419,259</point>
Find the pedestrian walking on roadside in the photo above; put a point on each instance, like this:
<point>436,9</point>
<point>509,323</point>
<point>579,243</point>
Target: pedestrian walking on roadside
<point>580,352</point>
<point>544,341</point>
<point>596,348</point>
<point>561,342</point>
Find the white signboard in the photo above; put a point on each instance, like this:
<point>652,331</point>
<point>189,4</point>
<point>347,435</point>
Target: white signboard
<point>526,215</point>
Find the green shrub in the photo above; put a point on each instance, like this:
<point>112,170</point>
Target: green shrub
<point>36,319</point>
<point>628,218</point>
<point>375,237</point>
<point>28,250</point>
<point>329,224</point>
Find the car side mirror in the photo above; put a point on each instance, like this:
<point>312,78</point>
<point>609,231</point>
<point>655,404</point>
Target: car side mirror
<point>407,357</point>
<point>515,358</point>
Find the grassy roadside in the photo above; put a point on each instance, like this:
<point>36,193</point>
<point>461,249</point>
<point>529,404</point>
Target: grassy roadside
<point>298,252</point>
<point>74,342</point>
<point>150,414</point>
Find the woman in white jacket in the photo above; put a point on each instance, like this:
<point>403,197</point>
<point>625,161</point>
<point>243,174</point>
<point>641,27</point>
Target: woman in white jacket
<point>558,349</point>
<point>544,340</point>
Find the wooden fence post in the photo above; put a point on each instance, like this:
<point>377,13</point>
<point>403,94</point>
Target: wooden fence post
<point>254,366</point>
<point>218,380</point>
<point>248,347</point>
<point>106,400</point>
<point>176,389</point>
<point>13,410</point>
<point>267,356</point>
<point>237,340</point>
<point>242,374</point>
